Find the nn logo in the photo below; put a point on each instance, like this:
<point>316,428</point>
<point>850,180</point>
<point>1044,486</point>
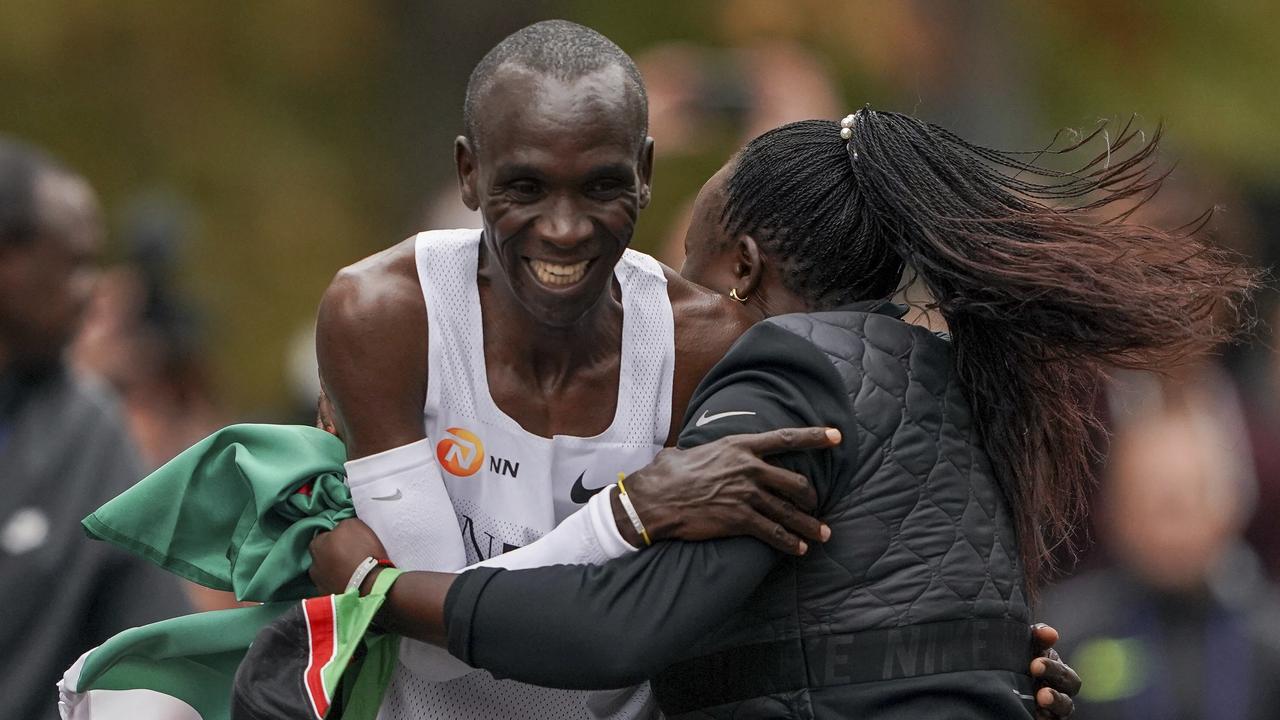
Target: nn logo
<point>502,466</point>
<point>461,453</point>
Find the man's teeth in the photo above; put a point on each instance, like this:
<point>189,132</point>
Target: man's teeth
<point>557,274</point>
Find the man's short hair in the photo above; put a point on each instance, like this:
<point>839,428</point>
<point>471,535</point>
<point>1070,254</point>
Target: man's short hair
<point>560,49</point>
<point>21,166</point>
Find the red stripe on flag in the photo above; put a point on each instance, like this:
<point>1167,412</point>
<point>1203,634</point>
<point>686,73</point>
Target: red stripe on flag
<point>322,644</point>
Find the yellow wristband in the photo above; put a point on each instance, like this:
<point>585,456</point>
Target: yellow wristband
<point>631,510</point>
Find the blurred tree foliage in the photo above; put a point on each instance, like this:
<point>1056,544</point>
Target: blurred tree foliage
<point>308,134</point>
<point>269,117</point>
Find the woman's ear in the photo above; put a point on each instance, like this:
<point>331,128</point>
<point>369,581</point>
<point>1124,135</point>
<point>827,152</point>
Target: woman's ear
<point>748,266</point>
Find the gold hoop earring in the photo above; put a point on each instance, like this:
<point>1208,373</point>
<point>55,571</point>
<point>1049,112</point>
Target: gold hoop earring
<point>733,293</point>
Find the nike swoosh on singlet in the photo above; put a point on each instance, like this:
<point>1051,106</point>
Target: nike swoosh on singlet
<point>393,496</point>
<point>580,494</point>
<point>712,418</point>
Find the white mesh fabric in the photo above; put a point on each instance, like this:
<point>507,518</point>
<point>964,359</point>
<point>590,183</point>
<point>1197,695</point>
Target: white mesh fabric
<point>496,532</point>
<point>479,696</point>
<point>648,334</point>
<point>447,262</point>
<point>476,696</point>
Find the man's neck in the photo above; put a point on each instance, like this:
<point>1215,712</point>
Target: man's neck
<point>551,355</point>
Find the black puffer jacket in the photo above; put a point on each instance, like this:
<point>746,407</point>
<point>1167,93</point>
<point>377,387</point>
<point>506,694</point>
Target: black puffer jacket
<point>916,608</point>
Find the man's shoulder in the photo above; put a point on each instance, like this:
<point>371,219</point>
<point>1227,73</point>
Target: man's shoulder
<point>371,344</point>
<point>370,310</point>
<point>381,291</point>
<point>381,276</point>
<point>387,282</point>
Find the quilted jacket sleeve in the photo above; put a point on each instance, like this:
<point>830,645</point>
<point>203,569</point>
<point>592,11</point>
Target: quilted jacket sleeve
<point>774,378</point>
<point>613,625</point>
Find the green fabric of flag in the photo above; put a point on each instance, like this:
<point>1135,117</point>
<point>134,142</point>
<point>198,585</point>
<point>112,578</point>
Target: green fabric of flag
<point>195,658</point>
<point>192,658</point>
<point>234,512</point>
<point>343,665</point>
<point>227,512</point>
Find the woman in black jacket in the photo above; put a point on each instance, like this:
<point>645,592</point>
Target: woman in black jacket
<point>963,453</point>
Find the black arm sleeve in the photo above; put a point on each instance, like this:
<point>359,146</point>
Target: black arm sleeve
<point>592,627</point>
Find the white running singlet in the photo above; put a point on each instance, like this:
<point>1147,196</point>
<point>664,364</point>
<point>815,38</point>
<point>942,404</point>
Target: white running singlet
<point>509,487</point>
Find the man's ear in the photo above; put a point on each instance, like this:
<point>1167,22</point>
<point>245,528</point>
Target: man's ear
<point>646,172</point>
<point>748,266</point>
<point>464,159</point>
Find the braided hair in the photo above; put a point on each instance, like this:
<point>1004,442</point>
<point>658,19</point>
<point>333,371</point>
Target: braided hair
<point>1041,290</point>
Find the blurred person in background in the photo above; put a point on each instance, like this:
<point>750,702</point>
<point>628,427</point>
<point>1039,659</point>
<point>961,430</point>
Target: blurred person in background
<point>704,103</point>
<point>1246,379</point>
<point>1180,622</point>
<point>142,334</point>
<point>64,445</point>
<point>1261,391</point>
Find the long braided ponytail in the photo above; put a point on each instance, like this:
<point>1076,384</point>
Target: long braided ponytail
<point>1040,292</point>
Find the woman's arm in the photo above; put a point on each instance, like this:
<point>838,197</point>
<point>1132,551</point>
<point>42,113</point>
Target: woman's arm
<point>594,627</point>
<point>619,623</point>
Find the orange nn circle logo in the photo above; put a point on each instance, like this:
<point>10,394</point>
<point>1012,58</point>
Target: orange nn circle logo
<point>462,454</point>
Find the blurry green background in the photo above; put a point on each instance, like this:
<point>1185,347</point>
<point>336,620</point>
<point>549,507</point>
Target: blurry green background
<point>296,137</point>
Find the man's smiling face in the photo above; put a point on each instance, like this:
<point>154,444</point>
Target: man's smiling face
<point>559,170</point>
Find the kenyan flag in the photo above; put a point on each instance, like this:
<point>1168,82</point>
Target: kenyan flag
<point>301,665</point>
<point>278,660</point>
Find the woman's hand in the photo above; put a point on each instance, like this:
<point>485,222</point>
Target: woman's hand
<point>336,554</point>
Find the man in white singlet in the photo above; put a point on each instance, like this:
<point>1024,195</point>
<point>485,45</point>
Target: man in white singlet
<point>500,377</point>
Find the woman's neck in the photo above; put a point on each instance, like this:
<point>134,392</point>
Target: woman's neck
<point>921,305</point>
